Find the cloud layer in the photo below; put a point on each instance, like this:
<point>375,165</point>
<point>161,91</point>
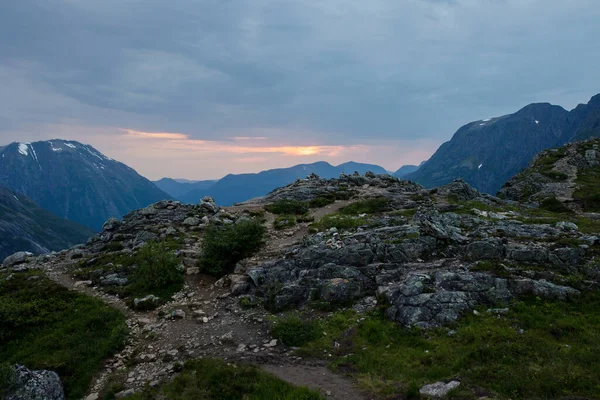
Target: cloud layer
<point>327,78</point>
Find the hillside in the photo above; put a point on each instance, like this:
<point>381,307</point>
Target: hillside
<point>241,187</point>
<point>75,181</point>
<point>24,226</point>
<point>369,273</point>
<point>569,175</point>
<point>488,152</point>
<point>177,189</point>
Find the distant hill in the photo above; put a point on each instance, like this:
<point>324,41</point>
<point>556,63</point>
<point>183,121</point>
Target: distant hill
<point>180,187</point>
<point>486,153</point>
<point>75,181</point>
<point>241,187</point>
<point>407,169</point>
<point>24,226</point>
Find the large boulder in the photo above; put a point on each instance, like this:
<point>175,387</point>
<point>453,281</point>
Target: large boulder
<point>16,259</point>
<point>35,385</point>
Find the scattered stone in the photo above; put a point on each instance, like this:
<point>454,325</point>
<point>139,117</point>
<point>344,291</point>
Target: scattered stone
<point>178,314</point>
<point>438,390</point>
<point>16,259</point>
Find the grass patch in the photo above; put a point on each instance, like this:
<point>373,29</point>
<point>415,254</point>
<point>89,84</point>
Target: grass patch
<point>295,331</point>
<point>553,205</point>
<point>369,206</point>
<point>540,349</point>
<point>284,222</point>
<point>339,221</point>
<point>287,207</point>
<point>588,189</point>
<point>209,379</point>
<point>46,326</point>
<point>223,246</point>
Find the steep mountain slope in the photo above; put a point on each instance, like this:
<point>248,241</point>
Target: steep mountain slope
<point>177,188</point>
<point>567,175</point>
<point>24,226</point>
<point>486,153</point>
<point>75,181</point>
<point>237,188</point>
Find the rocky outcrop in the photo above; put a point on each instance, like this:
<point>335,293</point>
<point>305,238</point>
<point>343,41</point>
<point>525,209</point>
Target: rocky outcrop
<point>35,385</point>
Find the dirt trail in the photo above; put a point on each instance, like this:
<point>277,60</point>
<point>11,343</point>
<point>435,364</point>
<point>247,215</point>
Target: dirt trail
<point>213,325</point>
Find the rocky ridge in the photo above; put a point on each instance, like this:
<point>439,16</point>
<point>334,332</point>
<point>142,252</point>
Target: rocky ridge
<point>428,258</point>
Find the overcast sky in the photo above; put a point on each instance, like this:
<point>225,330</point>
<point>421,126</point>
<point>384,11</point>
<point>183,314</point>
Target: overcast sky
<point>199,89</point>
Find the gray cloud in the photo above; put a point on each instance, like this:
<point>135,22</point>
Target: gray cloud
<point>341,71</point>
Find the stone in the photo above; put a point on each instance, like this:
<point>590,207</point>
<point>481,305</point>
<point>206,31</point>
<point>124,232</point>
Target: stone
<point>272,343</point>
<point>111,224</point>
<point>567,226</point>
<point>178,314</point>
<point>113,280</point>
<point>16,259</point>
<point>125,393</point>
<point>35,385</point>
<point>146,303</point>
<point>83,283</point>
<point>93,396</point>
<point>191,221</point>
<point>208,204</point>
<point>192,271</point>
<point>438,390</point>
<point>487,249</point>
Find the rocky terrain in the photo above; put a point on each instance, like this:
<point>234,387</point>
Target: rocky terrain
<point>366,243</point>
<point>568,174</point>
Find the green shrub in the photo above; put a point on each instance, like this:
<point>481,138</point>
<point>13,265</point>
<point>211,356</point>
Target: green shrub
<point>210,379</point>
<point>321,201</point>
<point>553,205</point>
<point>284,221</point>
<point>556,175</point>
<point>293,331</point>
<point>290,207</point>
<point>223,246</point>
<point>157,269</point>
<point>369,206</point>
<point>46,326</point>
<point>7,378</point>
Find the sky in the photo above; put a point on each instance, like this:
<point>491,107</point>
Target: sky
<point>198,89</point>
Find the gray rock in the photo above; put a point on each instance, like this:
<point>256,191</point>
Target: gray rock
<point>35,385</point>
<point>111,224</point>
<point>438,390</point>
<point>178,314</point>
<point>208,204</point>
<point>487,249</point>
<point>191,221</point>
<point>17,258</point>
<point>147,302</point>
<point>567,226</point>
<point>125,393</point>
<point>113,280</point>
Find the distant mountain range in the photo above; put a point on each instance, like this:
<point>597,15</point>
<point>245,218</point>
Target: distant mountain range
<point>487,153</point>
<point>241,187</point>
<point>75,181</point>
<point>24,226</point>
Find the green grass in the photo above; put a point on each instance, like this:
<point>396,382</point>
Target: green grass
<point>223,246</point>
<point>339,221</point>
<point>284,221</point>
<point>287,207</point>
<point>553,205</point>
<point>369,206</point>
<point>554,356</point>
<point>45,326</point>
<point>208,379</point>
<point>588,189</point>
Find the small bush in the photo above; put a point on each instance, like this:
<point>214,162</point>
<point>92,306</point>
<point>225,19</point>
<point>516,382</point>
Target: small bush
<point>370,206</point>
<point>293,331</point>
<point>223,246</point>
<point>321,201</point>
<point>284,221</point>
<point>553,205</point>
<point>556,175</point>
<point>157,269</point>
<point>339,221</point>
<point>291,207</point>
<point>7,379</point>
